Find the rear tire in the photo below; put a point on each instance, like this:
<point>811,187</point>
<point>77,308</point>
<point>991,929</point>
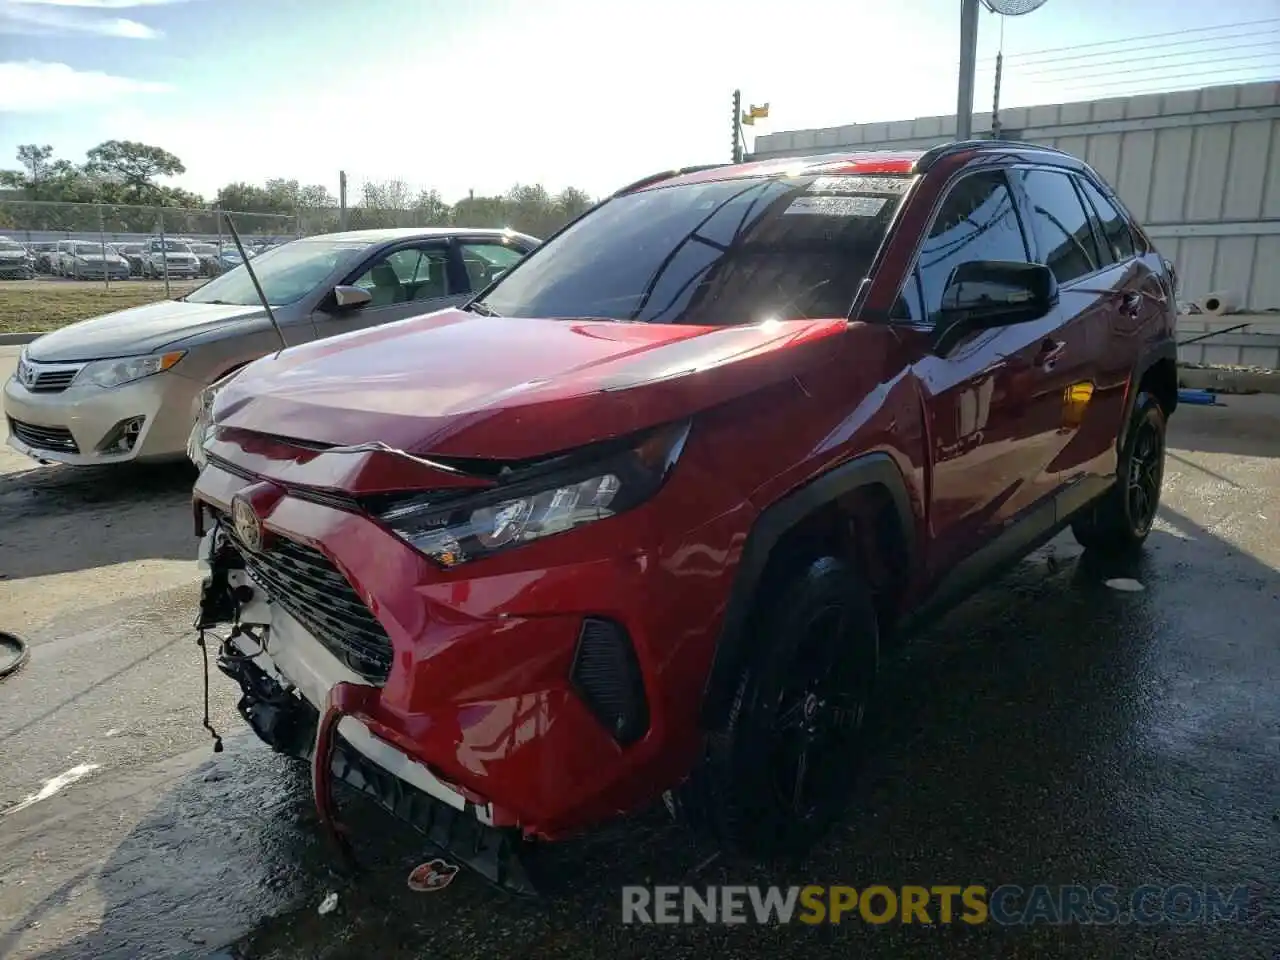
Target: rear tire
<point>779,772</point>
<point>1120,522</point>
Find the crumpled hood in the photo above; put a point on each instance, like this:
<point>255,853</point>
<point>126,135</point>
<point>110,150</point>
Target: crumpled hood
<point>456,384</point>
<point>138,330</point>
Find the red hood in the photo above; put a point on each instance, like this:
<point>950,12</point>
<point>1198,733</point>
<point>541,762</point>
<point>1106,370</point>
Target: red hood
<point>457,384</point>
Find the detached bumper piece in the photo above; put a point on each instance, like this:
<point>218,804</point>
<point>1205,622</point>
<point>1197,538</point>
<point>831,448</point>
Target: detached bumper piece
<point>492,853</point>
<point>292,726</point>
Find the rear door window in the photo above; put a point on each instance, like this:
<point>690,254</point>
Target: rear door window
<point>1062,227</point>
<point>1114,226</point>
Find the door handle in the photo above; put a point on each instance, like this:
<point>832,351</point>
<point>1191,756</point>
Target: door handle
<point>1049,354</point>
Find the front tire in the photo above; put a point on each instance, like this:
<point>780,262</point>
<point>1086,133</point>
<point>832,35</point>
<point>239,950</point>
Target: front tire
<point>779,772</point>
<point>1120,522</point>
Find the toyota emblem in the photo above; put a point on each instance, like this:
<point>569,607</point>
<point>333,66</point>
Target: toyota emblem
<point>247,524</point>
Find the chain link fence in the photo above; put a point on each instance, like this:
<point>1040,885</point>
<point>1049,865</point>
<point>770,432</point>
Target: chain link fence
<point>110,241</point>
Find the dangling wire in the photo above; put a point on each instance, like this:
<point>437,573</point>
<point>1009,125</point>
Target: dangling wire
<point>206,723</point>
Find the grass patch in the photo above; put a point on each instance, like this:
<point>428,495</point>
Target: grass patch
<point>34,306</point>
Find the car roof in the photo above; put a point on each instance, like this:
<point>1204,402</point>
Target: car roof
<point>872,162</point>
<point>408,233</point>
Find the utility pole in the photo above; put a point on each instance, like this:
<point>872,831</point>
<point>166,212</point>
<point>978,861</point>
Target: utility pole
<point>968,65</point>
<point>342,199</point>
<point>737,126</point>
<point>995,99</point>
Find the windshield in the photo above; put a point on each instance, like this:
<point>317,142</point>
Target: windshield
<point>287,273</point>
<point>10,247</point>
<point>90,249</point>
<point>170,246</point>
<point>724,252</point>
<point>204,249</point>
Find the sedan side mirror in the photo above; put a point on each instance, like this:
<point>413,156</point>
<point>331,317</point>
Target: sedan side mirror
<point>351,298</point>
<point>983,294</point>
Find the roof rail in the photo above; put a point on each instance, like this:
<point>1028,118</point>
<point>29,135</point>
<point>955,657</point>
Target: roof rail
<point>666,175</point>
<point>934,154</point>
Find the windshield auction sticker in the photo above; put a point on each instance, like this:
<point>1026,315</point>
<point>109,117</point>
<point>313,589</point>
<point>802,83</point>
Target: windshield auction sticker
<point>855,184</point>
<point>837,206</point>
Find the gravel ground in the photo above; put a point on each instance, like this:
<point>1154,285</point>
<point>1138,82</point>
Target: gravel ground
<point>1049,731</point>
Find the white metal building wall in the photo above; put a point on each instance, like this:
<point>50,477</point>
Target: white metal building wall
<point>1199,168</point>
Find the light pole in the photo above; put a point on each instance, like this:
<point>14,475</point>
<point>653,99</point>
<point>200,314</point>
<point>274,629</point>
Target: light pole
<point>968,65</point>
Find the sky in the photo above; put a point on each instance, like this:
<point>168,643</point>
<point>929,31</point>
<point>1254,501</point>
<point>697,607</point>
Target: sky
<point>462,95</point>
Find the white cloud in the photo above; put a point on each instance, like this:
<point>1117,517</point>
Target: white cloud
<point>27,17</point>
<point>61,86</point>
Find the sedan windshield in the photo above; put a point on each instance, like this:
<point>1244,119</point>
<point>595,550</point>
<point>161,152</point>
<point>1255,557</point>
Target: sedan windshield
<point>287,273</point>
<point>724,252</point>
<point>88,249</point>
<point>10,247</point>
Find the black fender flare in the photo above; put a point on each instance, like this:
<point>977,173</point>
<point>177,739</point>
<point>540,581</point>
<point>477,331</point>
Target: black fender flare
<point>1153,354</point>
<point>733,644</point>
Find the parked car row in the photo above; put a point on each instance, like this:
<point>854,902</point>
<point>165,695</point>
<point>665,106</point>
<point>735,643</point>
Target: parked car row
<point>540,534</point>
<point>91,259</point>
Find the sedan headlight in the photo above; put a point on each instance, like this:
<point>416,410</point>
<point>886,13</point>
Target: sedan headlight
<point>573,490</point>
<point>113,373</point>
<point>202,431</point>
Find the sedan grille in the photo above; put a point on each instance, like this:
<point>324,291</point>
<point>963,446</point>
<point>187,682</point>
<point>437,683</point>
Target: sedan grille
<point>53,381</point>
<point>58,439</point>
<point>316,594</point>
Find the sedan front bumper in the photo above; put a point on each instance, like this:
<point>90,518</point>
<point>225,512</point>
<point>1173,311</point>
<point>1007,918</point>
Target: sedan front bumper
<point>85,425</point>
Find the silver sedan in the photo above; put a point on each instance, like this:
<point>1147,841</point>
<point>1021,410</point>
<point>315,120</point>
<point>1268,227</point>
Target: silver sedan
<point>126,386</point>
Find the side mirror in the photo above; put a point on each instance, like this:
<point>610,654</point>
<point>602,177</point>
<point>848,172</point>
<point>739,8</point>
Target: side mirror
<point>351,298</point>
<point>983,294</point>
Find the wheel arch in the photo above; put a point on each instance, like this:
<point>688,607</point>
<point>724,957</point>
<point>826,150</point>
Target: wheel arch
<point>876,475</point>
<point>1155,373</point>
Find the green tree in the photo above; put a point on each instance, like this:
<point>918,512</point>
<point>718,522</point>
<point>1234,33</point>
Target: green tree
<point>135,165</point>
<point>36,162</point>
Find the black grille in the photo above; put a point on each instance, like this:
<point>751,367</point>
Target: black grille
<point>53,381</point>
<point>318,596</point>
<point>607,676</point>
<point>58,439</point>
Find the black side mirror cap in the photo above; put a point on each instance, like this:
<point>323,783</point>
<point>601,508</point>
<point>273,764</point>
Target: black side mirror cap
<point>983,294</point>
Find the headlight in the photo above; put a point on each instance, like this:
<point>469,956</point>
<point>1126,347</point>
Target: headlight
<point>577,489</point>
<point>112,373</point>
<point>202,431</point>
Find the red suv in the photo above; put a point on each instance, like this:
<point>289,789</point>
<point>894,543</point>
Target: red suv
<point>633,523</point>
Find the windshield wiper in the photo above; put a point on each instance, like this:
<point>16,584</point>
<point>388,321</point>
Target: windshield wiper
<point>477,306</point>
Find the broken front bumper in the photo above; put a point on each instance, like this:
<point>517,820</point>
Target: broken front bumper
<point>301,700</point>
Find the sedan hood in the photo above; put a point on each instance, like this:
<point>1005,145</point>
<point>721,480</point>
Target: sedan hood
<point>456,384</point>
<point>136,331</point>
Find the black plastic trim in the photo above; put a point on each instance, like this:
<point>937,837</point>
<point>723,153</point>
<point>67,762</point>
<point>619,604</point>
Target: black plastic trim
<point>1164,350</point>
<point>732,648</point>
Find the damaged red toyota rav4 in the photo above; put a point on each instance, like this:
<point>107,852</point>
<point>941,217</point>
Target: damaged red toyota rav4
<point>636,520</point>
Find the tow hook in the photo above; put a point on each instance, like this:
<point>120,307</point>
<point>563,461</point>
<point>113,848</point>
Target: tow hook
<point>344,700</point>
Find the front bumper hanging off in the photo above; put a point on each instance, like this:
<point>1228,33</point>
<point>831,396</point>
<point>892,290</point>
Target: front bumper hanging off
<point>290,724</point>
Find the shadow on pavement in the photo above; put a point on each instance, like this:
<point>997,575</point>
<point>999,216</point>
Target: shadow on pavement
<point>1051,730</point>
<point>59,519</point>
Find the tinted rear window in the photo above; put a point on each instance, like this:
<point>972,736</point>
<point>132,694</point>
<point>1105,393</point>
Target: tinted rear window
<point>718,253</point>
